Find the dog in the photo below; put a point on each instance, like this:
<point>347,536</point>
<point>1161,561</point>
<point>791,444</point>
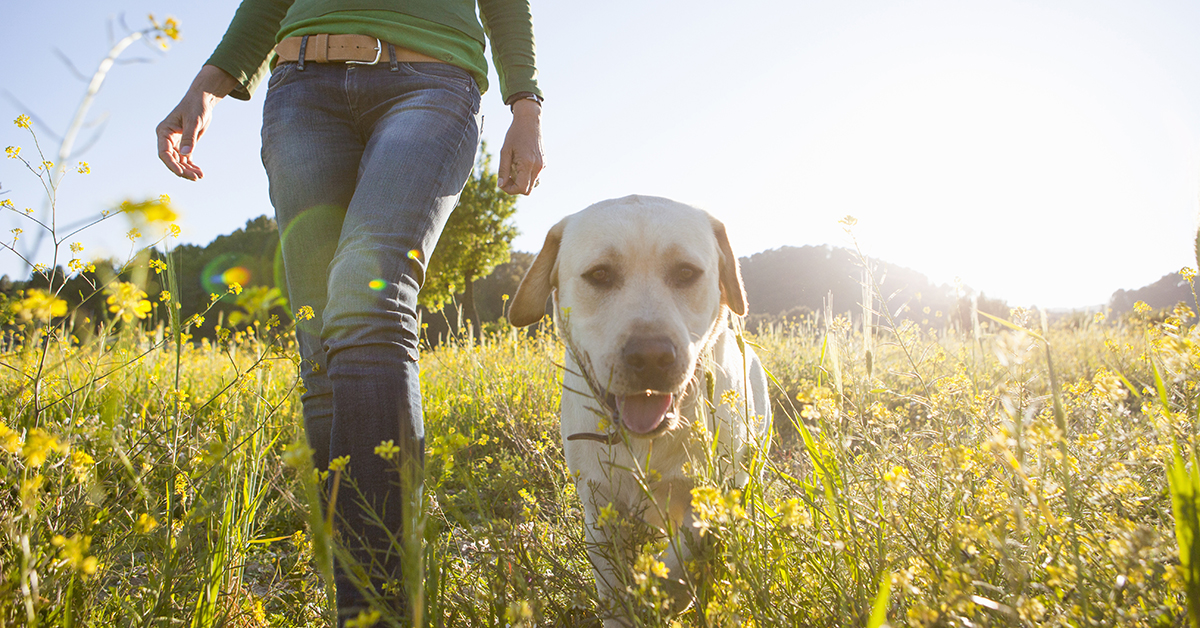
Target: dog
<point>642,290</point>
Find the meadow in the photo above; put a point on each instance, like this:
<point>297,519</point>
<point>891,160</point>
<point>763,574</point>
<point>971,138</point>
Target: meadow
<point>1013,473</point>
<point>953,478</point>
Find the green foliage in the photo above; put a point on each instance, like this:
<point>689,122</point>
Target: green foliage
<point>1185,504</point>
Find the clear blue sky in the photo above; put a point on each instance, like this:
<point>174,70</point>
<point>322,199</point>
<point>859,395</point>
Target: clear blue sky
<point>1044,152</point>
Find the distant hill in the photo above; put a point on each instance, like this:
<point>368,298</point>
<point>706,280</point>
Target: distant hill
<point>794,281</point>
<point>1164,293</point>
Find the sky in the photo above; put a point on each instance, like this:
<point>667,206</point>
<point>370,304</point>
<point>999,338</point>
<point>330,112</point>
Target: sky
<point>1046,153</point>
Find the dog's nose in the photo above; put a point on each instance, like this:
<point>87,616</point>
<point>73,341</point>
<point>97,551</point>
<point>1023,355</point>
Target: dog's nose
<point>651,359</point>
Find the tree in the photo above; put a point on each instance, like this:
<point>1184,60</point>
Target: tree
<point>477,238</point>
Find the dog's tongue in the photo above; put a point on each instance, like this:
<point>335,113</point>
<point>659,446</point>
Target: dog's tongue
<point>643,413</point>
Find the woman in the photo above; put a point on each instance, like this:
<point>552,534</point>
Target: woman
<point>370,129</point>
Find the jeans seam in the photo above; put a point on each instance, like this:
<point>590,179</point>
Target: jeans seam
<point>441,177</point>
<point>350,108</point>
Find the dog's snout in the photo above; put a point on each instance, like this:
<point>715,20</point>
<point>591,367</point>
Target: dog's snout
<point>651,359</point>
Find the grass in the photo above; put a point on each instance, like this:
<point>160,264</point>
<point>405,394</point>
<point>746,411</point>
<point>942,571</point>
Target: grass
<point>947,475</point>
<point>1010,474</point>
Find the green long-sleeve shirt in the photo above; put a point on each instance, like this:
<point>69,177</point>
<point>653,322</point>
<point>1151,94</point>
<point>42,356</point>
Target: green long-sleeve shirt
<point>442,29</point>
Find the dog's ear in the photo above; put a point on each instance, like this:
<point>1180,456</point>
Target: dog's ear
<point>733,293</point>
<point>528,305</point>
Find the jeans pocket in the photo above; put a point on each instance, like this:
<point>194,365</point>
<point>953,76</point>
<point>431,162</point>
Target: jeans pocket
<point>278,73</point>
<point>444,73</point>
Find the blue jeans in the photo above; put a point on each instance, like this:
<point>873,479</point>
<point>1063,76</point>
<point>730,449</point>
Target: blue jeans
<point>365,165</point>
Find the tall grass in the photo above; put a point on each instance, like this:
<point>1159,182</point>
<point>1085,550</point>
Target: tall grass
<point>1012,474</point>
<point>953,495</point>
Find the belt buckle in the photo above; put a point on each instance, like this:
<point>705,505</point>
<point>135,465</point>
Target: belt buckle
<point>378,51</point>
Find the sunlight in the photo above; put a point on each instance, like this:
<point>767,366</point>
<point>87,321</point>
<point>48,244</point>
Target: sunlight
<point>978,156</point>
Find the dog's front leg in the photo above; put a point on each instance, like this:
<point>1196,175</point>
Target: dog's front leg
<point>679,583</point>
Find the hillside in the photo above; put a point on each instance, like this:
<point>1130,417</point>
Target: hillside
<point>797,280</point>
<point>1164,293</point>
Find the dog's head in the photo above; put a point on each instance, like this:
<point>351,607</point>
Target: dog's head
<point>642,284</point>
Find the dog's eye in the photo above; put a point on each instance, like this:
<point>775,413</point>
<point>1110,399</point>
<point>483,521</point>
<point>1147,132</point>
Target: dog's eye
<point>685,275</point>
<point>599,277</point>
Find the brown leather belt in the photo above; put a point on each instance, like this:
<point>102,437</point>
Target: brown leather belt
<point>345,49</point>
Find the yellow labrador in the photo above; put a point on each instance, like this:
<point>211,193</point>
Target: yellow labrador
<point>642,289</point>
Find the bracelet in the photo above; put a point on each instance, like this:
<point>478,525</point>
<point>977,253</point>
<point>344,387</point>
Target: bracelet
<point>523,96</point>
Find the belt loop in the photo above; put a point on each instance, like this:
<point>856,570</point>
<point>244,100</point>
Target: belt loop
<point>322,48</point>
<point>303,45</point>
<point>392,55</point>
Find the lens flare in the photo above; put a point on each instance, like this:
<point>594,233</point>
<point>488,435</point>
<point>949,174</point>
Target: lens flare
<point>239,274</point>
<point>376,284</point>
<point>226,270</point>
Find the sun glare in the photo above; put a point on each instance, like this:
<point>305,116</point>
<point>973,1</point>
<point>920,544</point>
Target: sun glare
<point>976,156</point>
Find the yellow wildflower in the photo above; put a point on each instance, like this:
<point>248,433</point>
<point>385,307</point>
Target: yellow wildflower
<point>647,566</point>
<point>81,459</point>
<point>37,305</point>
<point>31,489</point>
<point>10,441</point>
<point>127,301</point>
<point>297,455</point>
<point>150,211</point>
<point>305,313</point>
<point>145,524</point>
<point>38,445</point>
<point>171,28</point>
<point>74,551</point>
<point>337,464</point>
<point>158,266</point>
<point>608,515</point>
<point>365,619</point>
<point>13,152</point>
<point>22,121</point>
<point>793,514</point>
<point>897,479</point>
<point>387,450</point>
<point>84,168</point>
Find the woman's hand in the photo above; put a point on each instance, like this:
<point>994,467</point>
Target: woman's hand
<point>521,156</point>
<point>183,127</point>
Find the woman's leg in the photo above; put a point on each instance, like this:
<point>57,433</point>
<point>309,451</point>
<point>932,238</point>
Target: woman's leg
<point>419,132</point>
<point>312,151</point>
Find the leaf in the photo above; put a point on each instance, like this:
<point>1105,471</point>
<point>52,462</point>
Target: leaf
<point>879,613</point>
